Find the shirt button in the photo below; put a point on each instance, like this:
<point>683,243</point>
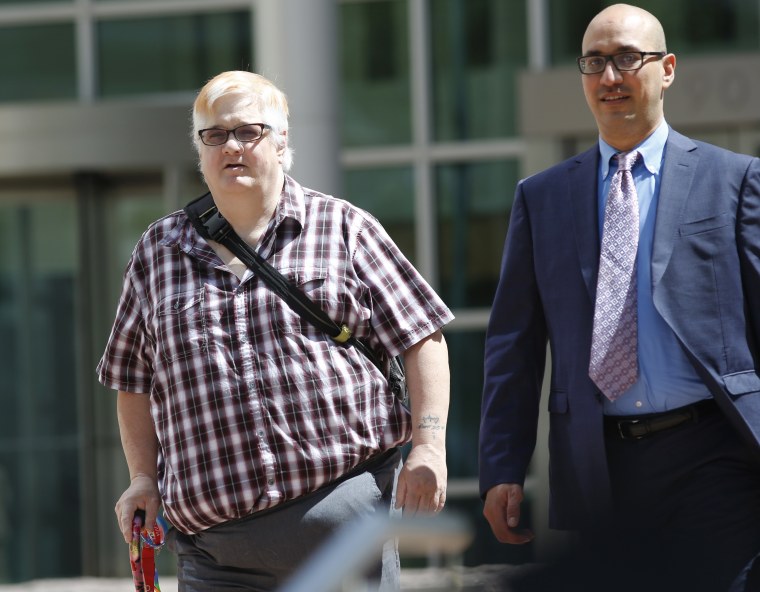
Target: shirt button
<point>270,481</point>
<point>260,433</point>
<point>639,404</point>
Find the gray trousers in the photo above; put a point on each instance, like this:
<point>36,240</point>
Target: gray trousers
<point>262,551</point>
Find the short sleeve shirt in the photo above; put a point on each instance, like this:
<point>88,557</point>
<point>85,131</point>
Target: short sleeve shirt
<point>252,405</point>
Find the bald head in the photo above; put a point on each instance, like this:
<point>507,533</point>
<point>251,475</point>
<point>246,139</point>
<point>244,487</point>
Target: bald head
<point>624,19</point>
<point>627,104</point>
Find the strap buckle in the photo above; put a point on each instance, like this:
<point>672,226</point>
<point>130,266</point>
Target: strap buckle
<point>215,224</point>
<point>344,335</point>
<point>206,219</point>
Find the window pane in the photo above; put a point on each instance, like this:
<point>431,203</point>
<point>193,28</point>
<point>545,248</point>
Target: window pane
<point>691,26</point>
<point>39,62</point>
<point>699,26</point>
<point>474,202</point>
<point>567,23</point>
<point>466,360</point>
<point>123,209</point>
<point>39,444</point>
<point>375,72</point>
<point>171,54</point>
<point>478,48</point>
<point>388,194</point>
<point>131,203</point>
<point>466,350</point>
<point>26,2</point>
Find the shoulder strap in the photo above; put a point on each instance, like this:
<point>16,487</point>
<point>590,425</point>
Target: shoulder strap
<point>210,224</point>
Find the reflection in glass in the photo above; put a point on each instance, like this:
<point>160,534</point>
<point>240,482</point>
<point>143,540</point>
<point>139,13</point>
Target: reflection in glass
<point>478,47</point>
<point>691,26</point>
<point>45,68</point>
<point>126,207</point>
<point>704,26</point>
<point>375,73</point>
<point>131,205</point>
<point>466,361</point>
<point>474,202</point>
<point>39,444</point>
<point>466,351</point>
<point>170,54</point>
<point>388,194</point>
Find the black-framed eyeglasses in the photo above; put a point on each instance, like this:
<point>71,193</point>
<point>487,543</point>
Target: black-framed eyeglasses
<point>624,62</point>
<point>246,133</point>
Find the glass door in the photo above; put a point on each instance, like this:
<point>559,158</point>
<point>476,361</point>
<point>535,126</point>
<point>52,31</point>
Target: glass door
<point>64,244</point>
<point>39,447</point>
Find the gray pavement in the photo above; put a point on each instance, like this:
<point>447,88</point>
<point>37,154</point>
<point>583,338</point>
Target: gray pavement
<point>84,585</point>
<point>485,578</point>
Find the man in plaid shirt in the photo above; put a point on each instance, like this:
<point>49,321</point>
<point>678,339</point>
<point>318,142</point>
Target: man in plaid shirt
<point>258,433</point>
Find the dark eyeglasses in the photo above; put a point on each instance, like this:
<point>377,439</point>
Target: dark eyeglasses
<point>246,133</point>
<point>624,62</point>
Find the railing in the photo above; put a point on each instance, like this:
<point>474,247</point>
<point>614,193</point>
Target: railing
<point>339,564</point>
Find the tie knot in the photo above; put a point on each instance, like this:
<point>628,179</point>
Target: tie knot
<point>626,160</point>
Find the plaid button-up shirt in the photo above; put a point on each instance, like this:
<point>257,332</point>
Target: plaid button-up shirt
<point>253,406</point>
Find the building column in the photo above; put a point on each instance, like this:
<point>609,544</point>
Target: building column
<point>296,46</point>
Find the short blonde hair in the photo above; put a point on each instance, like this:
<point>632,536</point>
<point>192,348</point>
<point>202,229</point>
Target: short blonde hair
<point>269,99</point>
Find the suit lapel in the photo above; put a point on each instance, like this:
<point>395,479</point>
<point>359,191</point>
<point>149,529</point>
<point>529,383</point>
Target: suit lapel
<point>583,173</point>
<point>679,166</point>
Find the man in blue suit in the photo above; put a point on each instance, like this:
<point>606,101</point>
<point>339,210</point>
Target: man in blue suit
<point>661,479</point>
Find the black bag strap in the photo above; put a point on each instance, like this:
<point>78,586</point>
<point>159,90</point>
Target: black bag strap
<point>210,224</point>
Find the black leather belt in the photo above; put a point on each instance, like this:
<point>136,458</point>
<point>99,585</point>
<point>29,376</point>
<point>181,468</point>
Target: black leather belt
<point>636,427</point>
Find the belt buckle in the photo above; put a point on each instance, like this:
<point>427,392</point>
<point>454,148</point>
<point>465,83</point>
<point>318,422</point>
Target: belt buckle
<point>622,435</point>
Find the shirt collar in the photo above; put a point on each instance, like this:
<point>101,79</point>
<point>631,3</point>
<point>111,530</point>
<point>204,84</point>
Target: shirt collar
<point>291,206</point>
<point>651,150</point>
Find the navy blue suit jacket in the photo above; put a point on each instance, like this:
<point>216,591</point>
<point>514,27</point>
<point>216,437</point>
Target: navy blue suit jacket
<point>706,283</point>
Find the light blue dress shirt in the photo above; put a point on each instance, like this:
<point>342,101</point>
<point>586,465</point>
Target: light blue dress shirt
<point>666,378</point>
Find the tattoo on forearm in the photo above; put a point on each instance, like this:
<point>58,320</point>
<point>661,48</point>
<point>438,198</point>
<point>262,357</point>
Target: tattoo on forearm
<point>432,423</point>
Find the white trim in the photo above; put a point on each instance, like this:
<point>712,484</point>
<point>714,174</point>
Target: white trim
<point>37,14</point>
<point>468,319</point>
<point>434,153</point>
<point>378,156</point>
<point>424,190</point>
<point>538,34</point>
<point>70,11</point>
<point>158,7</point>
<point>85,52</point>
<point>468,151</point>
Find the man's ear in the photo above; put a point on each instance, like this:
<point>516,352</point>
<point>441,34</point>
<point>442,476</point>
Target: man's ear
<point>669,70</point>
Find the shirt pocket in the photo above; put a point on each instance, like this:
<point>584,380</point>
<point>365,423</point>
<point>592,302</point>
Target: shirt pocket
<point>181,326</point>
<point>313,283</point>
<point>309,281</point>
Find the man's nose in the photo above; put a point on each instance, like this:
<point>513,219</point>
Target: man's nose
<point>611,75</point>
<point>233,144</point>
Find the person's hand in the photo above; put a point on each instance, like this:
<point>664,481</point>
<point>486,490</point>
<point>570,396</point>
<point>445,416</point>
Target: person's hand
<point>502,510</point>
<point>141,494</point>
<point>422,481</point>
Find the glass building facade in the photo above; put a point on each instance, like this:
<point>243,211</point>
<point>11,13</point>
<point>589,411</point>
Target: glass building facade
<point>440,107</point>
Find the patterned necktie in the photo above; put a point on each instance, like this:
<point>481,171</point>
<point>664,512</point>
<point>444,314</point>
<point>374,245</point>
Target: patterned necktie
<point>614,359</point>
